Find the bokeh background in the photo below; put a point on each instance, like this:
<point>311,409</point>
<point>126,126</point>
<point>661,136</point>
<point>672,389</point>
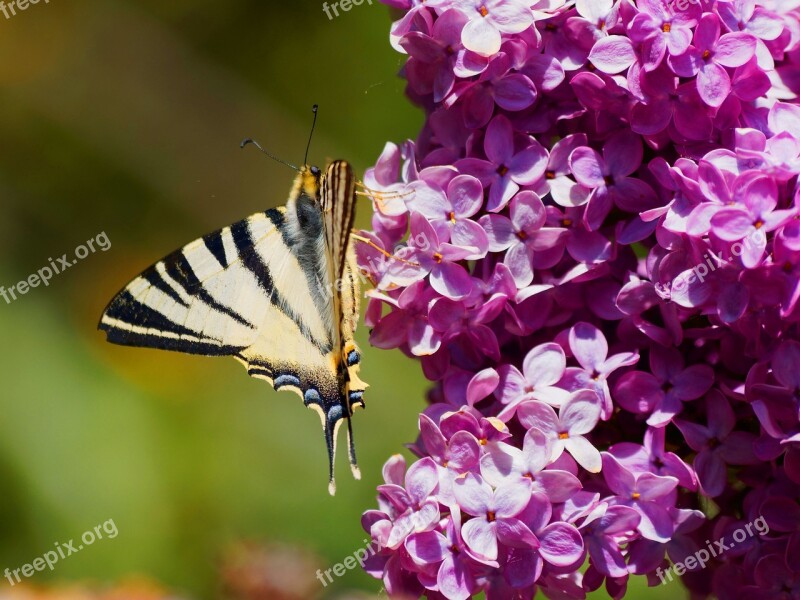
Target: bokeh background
<point>125,117</point>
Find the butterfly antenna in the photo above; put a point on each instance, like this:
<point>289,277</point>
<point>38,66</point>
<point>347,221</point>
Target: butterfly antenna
<point>314,108</point>
<point>247,141</point>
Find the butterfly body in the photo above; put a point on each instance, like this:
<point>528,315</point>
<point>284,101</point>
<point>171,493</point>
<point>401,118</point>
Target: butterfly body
<point>277,291</point>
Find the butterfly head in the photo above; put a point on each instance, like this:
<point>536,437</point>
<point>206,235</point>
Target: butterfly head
<point>308,181</point>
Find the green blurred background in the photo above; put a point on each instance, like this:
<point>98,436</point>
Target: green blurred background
<point>125,117</point>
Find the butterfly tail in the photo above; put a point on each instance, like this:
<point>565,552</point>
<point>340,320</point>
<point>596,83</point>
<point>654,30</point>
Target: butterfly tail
<point>332,423</point>
<point>352,450</point>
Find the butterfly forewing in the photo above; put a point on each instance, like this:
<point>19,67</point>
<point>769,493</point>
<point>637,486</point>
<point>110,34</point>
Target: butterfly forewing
<point>277,291</point>
<point>338,199</point>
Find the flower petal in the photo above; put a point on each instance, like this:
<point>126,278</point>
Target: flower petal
<point>584,453</point>
<point>540,415</point>
<point>580,414</point>
<point>588,345</point>
<point>735,49</point>
<point>713,84</point>
<point>561,544</point>
<point>588,167</point>
<point>481,36</point>
<point>544,365</point>
<point>613,54</point>
<point>473,494</point>
<point>511,497</point>
<point>451,280</point>
<point>428,547</point>
<point>481,538</point>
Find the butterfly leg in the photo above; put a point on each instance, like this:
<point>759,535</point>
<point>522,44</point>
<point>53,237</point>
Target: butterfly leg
<point>382,198</point>
<point>386,253</point>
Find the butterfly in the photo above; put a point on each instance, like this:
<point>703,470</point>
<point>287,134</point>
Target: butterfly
<point>278,291</point>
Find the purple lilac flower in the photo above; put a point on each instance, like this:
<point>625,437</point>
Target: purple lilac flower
<point>759,21</point>
<point>495,513</point>
<point>662,393</point>
<point>576,417</point>
<point>604,530</point>
<point>647,555</point>
<point>408,326</point>
<point>752,221</point>
<point>416,509</point>
<point>489,19</point>
<point>663,100</point>
<point>563,188</point>
<point>560,543</point>
<point>595,20</point>
<point>590,349</point>
<point>522,235</point>
<point>662,27</point>
<point>505,170</point>
<point>454,577</point>
<point>502,462</point>
<point>609,177</point>
<point>543,367</point>
<point>717,444</point>
<point>653,457</point>
<point>595,181</point>
<point>430,256</point>
<point>648,494</point>
<point>450,213</point>
<point>708,56</point>
<point>437,59</point>
<point>497,85</point>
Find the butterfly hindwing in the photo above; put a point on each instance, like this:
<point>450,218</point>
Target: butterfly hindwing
<point>269,291</point>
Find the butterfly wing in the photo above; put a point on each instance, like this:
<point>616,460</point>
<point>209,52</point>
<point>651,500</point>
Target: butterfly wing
<point>243,291</point>
<point>338,200</point>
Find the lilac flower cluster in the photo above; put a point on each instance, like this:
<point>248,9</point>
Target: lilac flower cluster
<point>595,255</point>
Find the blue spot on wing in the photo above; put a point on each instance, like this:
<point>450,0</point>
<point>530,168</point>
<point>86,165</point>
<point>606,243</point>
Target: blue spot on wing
<point>312,397</point>
<point>334,414</point>
<point>284,380</point>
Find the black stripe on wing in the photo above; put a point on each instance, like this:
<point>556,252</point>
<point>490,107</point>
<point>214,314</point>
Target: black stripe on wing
<point>141,325</point>
<point>253,262</point>
<point>178,268</point>
<point>154,278</point>
<point>303,239</point>
<point>213,242</point>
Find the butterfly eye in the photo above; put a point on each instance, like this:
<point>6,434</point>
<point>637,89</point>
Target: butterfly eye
<point>315,171</point>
